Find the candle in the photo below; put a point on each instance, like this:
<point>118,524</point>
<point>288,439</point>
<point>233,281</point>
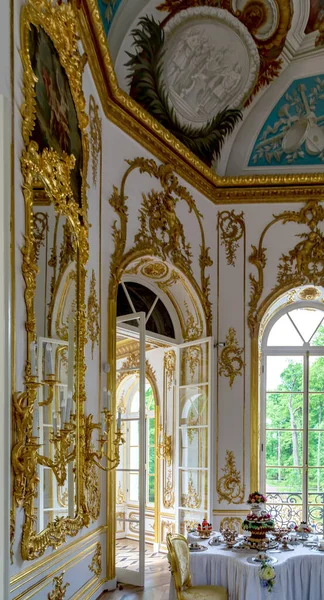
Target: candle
<point>104,398</point>
<point>54,419</point>
<point>35,422</point>
<point>119,420</point>
<point>62,407</point>
<point>103,424</point>
<point>32,349</point>
<point>108,401</point>
<point>48,360</point>
<point>68,407</point>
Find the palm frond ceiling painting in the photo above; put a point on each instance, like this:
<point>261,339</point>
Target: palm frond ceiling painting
<point>196,70</point>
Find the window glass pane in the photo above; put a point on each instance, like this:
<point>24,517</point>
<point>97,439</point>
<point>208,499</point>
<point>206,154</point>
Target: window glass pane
<point>316,373</point>
<point>318,337</point>
<point>285,373</point>
<point>151,460</point>
<point>285,480</point>
<point>194,405</point>
<point>134,457</point>
<point>284,448</point>
<point>133,487</point>
<point>283,333</point>
<point>151,489</point>
<point>316,411</point>
<point>284,411</point>
<point>133,432</point>
<point>151,432</point>
<point>149,399</point>
<point>135,403</point>
<point>315,451</point>
<point>306,321</point>
<point>193,450</point>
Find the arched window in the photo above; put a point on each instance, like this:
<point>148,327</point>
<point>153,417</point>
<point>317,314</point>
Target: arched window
<point>135,297</point>
<point>292,415</point>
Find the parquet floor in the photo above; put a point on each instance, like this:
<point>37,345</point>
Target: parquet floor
<point>157,581</point>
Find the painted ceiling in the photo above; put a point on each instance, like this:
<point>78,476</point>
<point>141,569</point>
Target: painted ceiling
<point>239,82</point>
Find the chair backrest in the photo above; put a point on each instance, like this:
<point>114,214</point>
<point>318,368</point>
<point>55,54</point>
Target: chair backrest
<point>179,559</point>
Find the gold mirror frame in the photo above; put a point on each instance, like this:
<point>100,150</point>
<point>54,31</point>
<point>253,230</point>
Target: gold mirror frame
<point>51,171</point>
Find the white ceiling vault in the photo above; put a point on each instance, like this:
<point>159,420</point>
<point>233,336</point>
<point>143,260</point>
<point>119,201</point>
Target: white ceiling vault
<point>240,82</point>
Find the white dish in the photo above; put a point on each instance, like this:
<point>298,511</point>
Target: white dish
<point>254,560</point>
<point>197,548</point>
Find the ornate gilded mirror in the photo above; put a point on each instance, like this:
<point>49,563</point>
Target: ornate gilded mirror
<point>49,456</point>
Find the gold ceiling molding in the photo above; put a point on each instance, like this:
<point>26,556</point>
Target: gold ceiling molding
<point>95,137</point>
<point>135,121</point>
<point>96,563</point>
<point>229,487</point>
<point>59,590</point>
<point>93,320</point>
<point>231,363</point>
<point>232,229</point>
<point>161,233</point>
<point>174,277</point>
<point>133,270</point>
<point>304,264</point>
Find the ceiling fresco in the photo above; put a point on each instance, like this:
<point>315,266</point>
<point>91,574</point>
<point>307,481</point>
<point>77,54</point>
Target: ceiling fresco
<point>294,133</point>
<point>202,67</point>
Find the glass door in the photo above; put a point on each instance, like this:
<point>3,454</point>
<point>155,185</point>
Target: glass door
<point>193,439</point>
<point>130,474</point>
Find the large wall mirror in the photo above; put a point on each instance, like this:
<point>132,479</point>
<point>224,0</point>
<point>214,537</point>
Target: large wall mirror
<point>51,467</point>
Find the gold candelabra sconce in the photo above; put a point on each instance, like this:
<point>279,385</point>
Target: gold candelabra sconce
<point>164,449</point>
<point>100,456</point>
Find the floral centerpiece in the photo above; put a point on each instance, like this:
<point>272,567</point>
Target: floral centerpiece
<point>256,498</point>
<point>267,575</point>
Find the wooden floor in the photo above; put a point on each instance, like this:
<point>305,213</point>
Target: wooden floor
<point>157,581</point>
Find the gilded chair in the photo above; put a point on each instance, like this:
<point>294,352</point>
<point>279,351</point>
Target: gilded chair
<point>180,567</point>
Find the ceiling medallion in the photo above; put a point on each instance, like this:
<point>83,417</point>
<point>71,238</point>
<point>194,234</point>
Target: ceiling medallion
<point>211,62</point>
<point>155,270</point>
<point>309,293</point>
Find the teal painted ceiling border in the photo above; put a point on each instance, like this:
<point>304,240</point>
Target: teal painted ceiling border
<point>108,9</point>
<point>293,133</point>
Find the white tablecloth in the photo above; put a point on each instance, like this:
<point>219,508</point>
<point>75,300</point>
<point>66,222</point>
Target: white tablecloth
<point>299,574</point>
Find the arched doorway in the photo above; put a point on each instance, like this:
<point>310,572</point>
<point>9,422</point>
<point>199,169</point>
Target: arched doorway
<point>180,355</point>
<point>292,407</point>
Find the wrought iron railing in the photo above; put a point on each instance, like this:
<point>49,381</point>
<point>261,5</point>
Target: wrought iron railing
<point>286,509</point>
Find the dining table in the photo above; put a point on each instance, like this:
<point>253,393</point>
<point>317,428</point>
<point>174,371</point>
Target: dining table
<point>299,572</point>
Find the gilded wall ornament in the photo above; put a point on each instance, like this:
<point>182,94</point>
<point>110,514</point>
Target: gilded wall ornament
<point>95,136</point>
<point>93,314</point>
<point>234,523</point>
<point>192,421</point>
<point>161,232</point>
<point>96,563</point>
<point>192,330</point>
<point>231,363</point>
<point>167,526</point>
<point>304,264</point>
<point>120,497</point>
<point>309,293</point>
<point>168,492</point>
<point>232,229</point>
<point>59,590</point>
<point>174,278</point>
<point>192,498</point>
<point>121,404</point>
<point>40,231</point>
<point>191,360</point>
<point>54,172</point>
<point>155,270</point>
<point>12,533</point>
<point>169,364</point>
<point>229,487</point>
